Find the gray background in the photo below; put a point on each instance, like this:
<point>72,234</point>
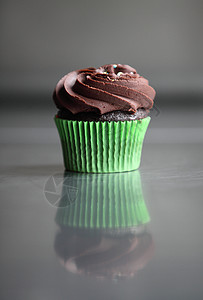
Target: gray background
<point>43,40</point>
<point>40,42</point>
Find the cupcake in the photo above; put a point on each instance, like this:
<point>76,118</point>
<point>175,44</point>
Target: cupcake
<point>103,117</point>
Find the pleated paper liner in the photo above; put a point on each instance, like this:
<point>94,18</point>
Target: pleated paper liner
<point>101,147</point>
<point>102,201</point>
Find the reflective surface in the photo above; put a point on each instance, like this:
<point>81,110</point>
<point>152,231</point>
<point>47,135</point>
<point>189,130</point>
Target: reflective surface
<point>135,235</point>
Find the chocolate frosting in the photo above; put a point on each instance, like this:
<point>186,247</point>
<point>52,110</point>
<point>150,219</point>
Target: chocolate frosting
<point>106,89</point>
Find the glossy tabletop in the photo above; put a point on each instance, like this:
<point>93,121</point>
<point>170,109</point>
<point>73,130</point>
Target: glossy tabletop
<point>133,235</point>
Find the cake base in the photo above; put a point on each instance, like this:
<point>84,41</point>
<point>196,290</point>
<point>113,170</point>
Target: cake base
<point>116,116</point>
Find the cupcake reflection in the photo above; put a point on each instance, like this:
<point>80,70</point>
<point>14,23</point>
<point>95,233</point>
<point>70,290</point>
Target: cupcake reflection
<point>102,255</point>
<point>103,231</point>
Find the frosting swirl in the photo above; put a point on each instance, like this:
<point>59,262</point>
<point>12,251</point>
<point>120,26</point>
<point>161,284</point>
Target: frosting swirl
<point>106,89</point>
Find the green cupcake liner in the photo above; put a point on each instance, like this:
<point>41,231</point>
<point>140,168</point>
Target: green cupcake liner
<point>101,147</point>
<point>102,201</point>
